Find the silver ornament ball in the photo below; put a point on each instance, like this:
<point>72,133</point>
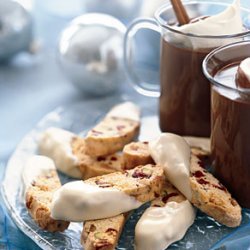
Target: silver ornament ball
<point>91,53</point>
<point>15,29</point>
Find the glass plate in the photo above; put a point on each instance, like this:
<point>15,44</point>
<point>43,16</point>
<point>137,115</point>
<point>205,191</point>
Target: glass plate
<point>79,117</point>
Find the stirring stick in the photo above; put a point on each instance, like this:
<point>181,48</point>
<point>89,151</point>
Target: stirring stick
<point>180,12</point>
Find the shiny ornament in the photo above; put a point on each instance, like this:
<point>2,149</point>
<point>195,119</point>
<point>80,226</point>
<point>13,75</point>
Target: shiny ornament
<point>91,53</point>
<point>15,29</point>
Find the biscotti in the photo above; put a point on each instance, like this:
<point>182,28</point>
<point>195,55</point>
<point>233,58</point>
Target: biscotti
<point>210,196</point>
<point>117,129</point>
<point>165,221</point>
<point>143,182</point>
<point>39,192</point>
<point>184,167</point>
<point>108,195</point>
<point>68,151</point>
<point>104,233</point>
<point>95,166</point>
<point>135,154</point>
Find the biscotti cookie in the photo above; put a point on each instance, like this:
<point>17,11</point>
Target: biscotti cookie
<point>103,234</point>
<point>108,195</point>
<point>165,221</point>
<point>135,154</point>
<point>68,152</point>
<point>95,166</point>
<point>143,182</point>
<point>119,127</point>
<point>210,196</point>
<point>184,167</point>
<point>42,181</point>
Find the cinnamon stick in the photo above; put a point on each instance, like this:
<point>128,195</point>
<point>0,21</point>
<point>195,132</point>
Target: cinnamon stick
<point>180,12</point>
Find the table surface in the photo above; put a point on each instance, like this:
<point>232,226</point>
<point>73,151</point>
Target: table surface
<point>30,87</point>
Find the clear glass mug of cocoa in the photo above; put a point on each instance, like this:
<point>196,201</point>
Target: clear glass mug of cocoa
<point>184,104</point>
<point>230,113</point>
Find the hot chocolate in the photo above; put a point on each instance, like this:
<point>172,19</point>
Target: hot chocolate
<point>185,92</point>
<point>231,134</point>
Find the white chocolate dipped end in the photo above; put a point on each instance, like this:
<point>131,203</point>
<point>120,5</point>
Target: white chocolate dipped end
<point>161,226</point>
<point>36,166</point>
<point>173,153</point>
<point>78,201</point>
<point>199,142</point>
<point>56,144</point>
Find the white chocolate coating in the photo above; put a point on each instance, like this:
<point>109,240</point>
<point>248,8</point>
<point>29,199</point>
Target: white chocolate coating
<point>161,226</point>
<point>173,153</point>
<point>199,142</point>
<point>56,144</point>
<point>78,201</point>
<point>35,166</point>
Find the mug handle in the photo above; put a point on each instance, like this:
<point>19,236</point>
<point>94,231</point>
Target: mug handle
<point>140,86</point>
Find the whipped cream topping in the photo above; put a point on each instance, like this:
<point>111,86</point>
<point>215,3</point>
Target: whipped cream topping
<point>78,201</point>
<point>127,110</point>
<point>173,153</point>
<point>228,22</point>
<point>35,166</point>
<point>56,144</point>
<point>199,142</point>
<point>245,68</point>
<point>161,226</point>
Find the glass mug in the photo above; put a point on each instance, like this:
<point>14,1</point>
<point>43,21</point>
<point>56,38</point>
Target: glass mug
<point>184,105</point>
<point>230,112</point>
